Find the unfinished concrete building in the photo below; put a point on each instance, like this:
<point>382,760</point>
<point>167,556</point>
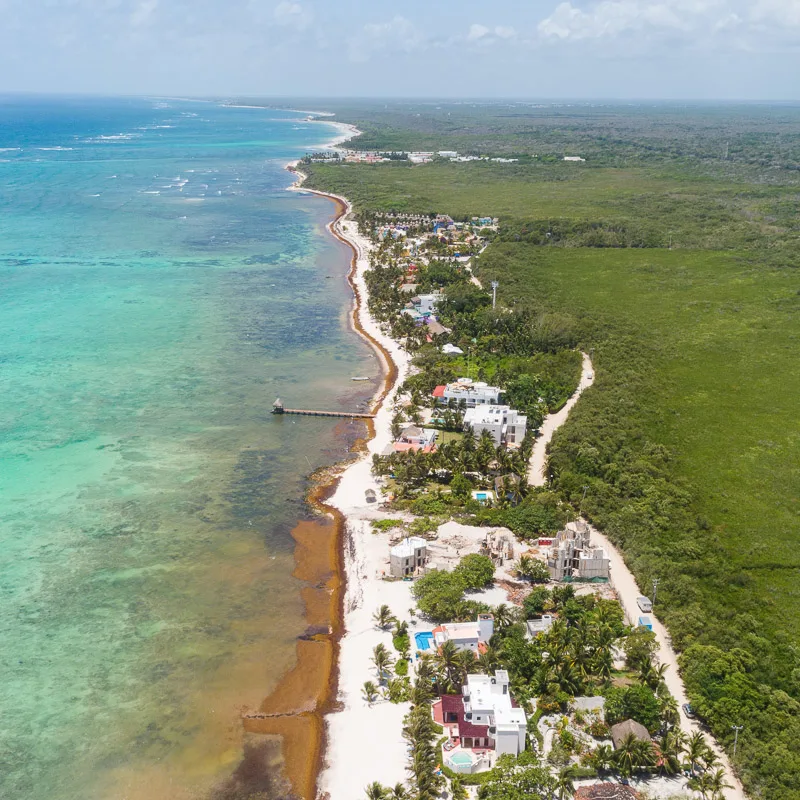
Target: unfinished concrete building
<point>572,556</point>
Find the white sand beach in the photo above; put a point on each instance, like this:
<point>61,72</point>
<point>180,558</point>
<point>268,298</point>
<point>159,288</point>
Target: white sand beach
<point>364,742</point>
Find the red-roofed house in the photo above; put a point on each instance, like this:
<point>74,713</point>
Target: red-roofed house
<point>484,716</point>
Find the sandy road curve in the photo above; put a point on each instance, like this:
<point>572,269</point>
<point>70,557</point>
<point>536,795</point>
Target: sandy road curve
<point>625,584</point>
<point>552,422</point>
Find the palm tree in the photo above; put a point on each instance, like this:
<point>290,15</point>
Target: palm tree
<point>384,618</point>
<point>450,662</point>
<point>382,661</point>
<point>503,615</point>
<point>398,792</point>
<point>696,748</point>
<point>718,784</point>
<point>603,663</point>
<point>703,785</point>
<point>603,757</point>
<point>375,791</point>
<point>565,788</point>
<point>400,628</point>
<point>370,692</point>
<point>652,675</point>
<point>457,789</point>
<point>709,759</point>
<point>646,754</point>
<point>524,566</point>
<point>669,709</point>
<point>468,662</point>
<point>488,660</point>
<point>626,755</point>
<point>669,752</point>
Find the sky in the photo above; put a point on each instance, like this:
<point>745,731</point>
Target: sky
<point>606,49</point>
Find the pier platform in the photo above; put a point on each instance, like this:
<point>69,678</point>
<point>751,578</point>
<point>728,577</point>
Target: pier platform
<point>279,408</point>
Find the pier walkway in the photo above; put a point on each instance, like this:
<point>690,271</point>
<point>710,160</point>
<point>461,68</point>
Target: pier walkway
<point>278,408</point>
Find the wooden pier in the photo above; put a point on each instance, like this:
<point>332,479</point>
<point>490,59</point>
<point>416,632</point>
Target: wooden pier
<point>278,408</point>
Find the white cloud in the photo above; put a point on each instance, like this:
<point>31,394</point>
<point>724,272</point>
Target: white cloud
<point>614,17</point>
<point>143,12</point>
<point>779,12</point>
<point>504,32</point>
<point>292,15</point>
<point>477,32</point>
<point>735,24</point>
<point>486,36</point>
<point>398,35</point>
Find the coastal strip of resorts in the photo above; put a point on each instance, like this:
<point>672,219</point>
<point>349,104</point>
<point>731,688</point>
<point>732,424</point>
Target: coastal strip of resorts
<point>514,657</point>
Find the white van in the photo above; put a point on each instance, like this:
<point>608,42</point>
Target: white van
<point>644,604</point>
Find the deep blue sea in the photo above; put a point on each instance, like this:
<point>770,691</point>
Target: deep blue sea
<point>158,289</point>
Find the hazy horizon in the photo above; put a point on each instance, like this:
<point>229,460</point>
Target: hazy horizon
<point>287,100</point>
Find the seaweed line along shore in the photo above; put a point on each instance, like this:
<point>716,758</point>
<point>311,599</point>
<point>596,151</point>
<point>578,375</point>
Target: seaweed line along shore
<point>297,708</point>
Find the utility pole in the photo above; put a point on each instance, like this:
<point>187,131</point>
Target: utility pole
<point>495,284</point>
<point>736,729</point>
<point>655,588</point>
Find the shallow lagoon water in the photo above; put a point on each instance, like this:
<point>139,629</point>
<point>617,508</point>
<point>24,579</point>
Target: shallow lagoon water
<point>158,289</point>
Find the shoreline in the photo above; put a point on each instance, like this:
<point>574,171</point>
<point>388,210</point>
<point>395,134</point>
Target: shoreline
<point>297,710</point>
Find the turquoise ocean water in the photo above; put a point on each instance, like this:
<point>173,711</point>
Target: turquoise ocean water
<point>158,289</point>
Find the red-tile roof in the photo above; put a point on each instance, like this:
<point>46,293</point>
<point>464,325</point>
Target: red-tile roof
<point>454,704</point>
<point>439,391</point>
<point>404,447</point>
<point>606,791</point>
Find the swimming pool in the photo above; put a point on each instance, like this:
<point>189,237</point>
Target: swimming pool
<point>481,496</point>
<point>424,640</point>
<point>463,762</point>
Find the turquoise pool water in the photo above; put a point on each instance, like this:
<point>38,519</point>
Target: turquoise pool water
<point>461,758</point>
<point>424,640</point>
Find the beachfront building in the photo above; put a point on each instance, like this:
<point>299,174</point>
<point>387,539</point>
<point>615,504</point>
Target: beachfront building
<point>505,425</point>
<point>408,556</point>
<point>466,635</point>
<point>412,439</point>
<point>484,715</point>
<point>572,556</point>
<point>538,626</point>
<point>422,437</point>
<point>468,392</point>
<point>426,303</point>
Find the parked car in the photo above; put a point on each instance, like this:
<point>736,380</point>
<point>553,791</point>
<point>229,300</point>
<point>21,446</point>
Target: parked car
<point>688,710</point>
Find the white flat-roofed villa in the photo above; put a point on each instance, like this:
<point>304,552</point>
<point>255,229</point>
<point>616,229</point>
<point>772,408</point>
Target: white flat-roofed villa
<point>505,425</point>
<point>472,393</point>
<point>487,700</point>
<point>483,722</point>
<point>466,635</point>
